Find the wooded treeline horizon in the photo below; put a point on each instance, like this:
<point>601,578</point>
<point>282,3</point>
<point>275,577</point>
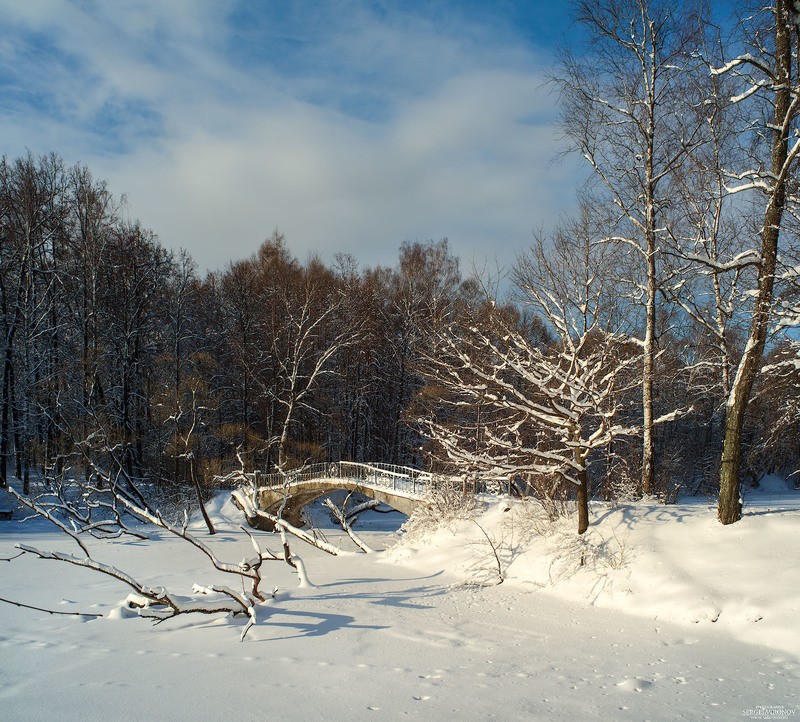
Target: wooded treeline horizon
<point>120,343</point>
<point>639,348</point>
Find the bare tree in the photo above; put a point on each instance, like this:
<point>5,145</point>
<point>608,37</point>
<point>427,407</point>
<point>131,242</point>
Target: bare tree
<point>421,292</point>
<point>94,214</point>
<point>767,72</point>
<point>620,111</point>
<point>307,341</point>
<point>31,216</point>
<point>707,257</point>
<point>707,266</point>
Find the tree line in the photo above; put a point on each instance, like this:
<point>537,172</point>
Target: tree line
<point>110,341</point>
<point>642,347</point>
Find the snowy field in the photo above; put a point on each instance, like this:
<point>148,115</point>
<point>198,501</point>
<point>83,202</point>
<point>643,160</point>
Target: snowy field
<point>671,617</point>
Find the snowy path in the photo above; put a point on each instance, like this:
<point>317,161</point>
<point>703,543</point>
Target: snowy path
<point>372,641</point>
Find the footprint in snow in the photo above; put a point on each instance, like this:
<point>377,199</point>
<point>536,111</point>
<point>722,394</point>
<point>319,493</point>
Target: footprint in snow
<point>635,685</point>
<point>688,641</point>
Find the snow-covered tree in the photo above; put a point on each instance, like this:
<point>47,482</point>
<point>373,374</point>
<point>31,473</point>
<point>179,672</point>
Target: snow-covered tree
<point>621,111</point>
<point>767,74</point>
<point>513,402</point>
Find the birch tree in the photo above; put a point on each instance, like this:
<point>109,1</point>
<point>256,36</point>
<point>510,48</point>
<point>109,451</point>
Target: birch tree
<point>620,111</point>
<point>707,262</point>
<point>767,74</point>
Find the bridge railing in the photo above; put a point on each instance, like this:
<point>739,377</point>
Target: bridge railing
<point>389,476</point>
<point>305,473</point>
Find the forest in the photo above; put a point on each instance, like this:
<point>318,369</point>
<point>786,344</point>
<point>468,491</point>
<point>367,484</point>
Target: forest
<point>643,347</point>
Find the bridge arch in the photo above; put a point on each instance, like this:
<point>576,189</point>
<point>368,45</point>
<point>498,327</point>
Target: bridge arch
<point>301,494</point>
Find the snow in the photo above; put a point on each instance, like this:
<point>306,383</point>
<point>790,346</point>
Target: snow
<point>629,635</point>
<point>673,563</point>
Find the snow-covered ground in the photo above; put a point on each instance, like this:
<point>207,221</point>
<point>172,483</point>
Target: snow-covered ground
<point>628,635</point>
<point>671,563</point>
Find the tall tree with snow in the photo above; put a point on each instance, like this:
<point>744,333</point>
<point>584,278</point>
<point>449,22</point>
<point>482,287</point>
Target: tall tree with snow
<point>767,71</point>
<point>534,398</point>
<point>620,110</point>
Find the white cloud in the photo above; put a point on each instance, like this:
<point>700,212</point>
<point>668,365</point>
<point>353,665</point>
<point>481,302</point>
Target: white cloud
<point>413,134</point>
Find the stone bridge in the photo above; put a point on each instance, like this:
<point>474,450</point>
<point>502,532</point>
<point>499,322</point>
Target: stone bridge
<point>400,487</point>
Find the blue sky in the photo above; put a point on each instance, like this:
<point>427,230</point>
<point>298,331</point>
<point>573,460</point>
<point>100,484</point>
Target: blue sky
<point>350,126</point>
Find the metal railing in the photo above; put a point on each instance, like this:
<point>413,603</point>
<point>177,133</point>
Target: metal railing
<point>386,476</point>
<point>403,479</point>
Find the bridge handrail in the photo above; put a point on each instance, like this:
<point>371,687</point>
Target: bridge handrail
<point>404,472</point>
<point>388,475</point>
<point>376,474</point>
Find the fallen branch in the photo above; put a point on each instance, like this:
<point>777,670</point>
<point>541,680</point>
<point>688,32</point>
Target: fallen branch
<point>341,517</point>
<point>156,602</point>
<point>369,505</point>
<point>252,512</point>
<point>42,609</point>
<point>294,561</point>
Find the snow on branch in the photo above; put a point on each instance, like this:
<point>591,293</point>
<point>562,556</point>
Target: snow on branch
<point>157,602</point>
<point>508,406</point>
<point>341,516</point>
<point>750,257</point>
<point>747,59</point>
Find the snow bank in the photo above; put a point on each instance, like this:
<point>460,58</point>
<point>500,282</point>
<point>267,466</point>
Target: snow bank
<point>669,563</point>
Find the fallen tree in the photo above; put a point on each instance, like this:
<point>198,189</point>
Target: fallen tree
<point>79,518</point>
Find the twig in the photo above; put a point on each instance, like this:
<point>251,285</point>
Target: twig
<point>11,559</point>
<point>493,547</point>
<point>47,514</point>
<point>49,611</point>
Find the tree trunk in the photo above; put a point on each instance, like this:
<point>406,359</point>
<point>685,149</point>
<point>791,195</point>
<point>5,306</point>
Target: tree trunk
<point>729,509</point>
<point>4,417</point>
<point>648,363</point>
<point>26,474</point>
<point>579,455</point>
<point>284,440</point>
<point>200,501</point>
<point>583,502</point>
<point>16,422</point>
